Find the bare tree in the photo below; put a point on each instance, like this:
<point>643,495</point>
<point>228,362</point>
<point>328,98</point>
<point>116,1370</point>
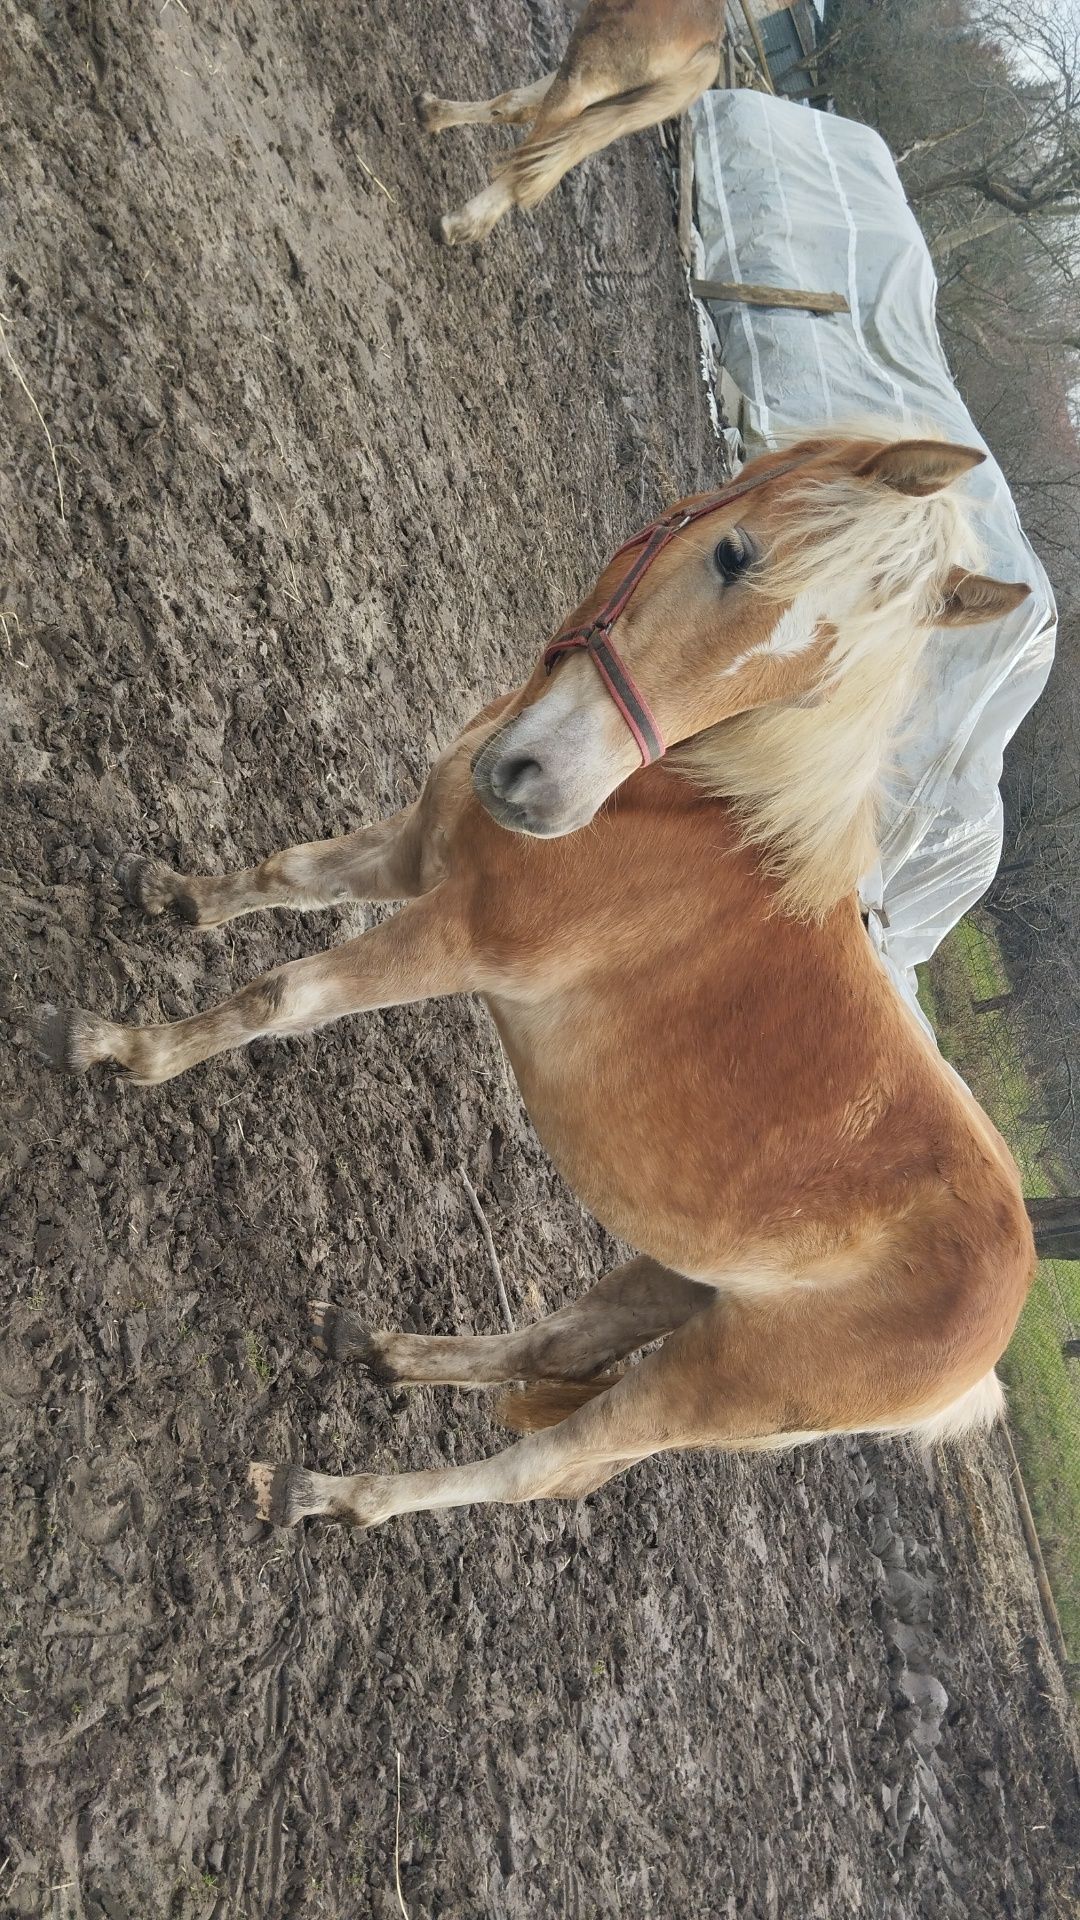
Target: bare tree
<point>1007,97</point>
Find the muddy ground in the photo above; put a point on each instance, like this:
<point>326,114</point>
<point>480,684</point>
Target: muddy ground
<point>327,488</point>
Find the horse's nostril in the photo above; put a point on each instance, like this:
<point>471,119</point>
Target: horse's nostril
<point>513,774</point>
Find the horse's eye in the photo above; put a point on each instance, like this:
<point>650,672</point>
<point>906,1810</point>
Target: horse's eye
<point>733,554</point>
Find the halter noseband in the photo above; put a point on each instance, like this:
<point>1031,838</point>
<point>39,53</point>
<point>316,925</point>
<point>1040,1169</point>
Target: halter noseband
<point>595,638</point>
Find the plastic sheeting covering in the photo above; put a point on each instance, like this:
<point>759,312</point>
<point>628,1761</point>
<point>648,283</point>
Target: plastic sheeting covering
<point>790,197</point>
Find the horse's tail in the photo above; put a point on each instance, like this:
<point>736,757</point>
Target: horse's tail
<point>547,1402</point>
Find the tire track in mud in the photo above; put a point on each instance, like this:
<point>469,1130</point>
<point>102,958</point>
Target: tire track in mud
<point>549,36</point>
<point>256,1883</point>
<point>622,251</point>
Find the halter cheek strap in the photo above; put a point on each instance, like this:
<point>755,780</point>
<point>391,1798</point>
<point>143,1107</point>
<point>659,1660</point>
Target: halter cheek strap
<point>595,638</point>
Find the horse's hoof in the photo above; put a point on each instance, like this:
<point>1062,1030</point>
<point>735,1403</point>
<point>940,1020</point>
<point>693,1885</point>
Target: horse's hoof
<point>284,1495</point>
<point>152,886</point>
<point>343,1336</point>
<point>269,1490</point>
<point>131,874</point>
<point>427,106</point>
<point>69,1040</point>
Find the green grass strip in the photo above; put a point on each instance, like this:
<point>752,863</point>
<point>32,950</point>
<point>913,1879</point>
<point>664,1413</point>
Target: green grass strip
<point>1043,1387</point>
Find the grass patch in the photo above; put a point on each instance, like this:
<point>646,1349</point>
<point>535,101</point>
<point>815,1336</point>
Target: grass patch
<point>260,1359</point>
<point>1043,1387</point>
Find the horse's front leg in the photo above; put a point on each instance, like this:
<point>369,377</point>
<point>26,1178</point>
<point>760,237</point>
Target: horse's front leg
<point>381,862</point>
<point>396,859</point>
<point>422,953</point>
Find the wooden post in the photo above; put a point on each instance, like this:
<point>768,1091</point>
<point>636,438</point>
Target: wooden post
<point>1038,1564</point>
<point>759,46</point>
<point>1056,1224</point>
<point>813,94</point>
<point>756,296</point>
<point>686,190</point>
<point>993,1004</point>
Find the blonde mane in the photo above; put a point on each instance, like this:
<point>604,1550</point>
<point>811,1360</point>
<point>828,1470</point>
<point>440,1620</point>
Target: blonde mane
<point>805,780</point>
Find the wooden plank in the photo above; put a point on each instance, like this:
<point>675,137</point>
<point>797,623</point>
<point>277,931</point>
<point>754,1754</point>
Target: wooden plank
<point>686,189</point>
<point>754,296</point>
<point>759,46</point>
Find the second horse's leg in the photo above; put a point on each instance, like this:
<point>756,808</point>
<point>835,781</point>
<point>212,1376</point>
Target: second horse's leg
<point>558,143</point>
<point>518,106</point>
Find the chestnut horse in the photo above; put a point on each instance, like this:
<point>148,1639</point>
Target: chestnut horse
<point>645,861</point>
<point>629,65</point>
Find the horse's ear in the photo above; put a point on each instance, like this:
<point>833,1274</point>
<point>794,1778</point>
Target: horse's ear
<point>971,598</point>
<point>919,466</point>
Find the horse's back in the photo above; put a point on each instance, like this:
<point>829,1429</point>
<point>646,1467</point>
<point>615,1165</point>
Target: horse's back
<point>639,36</point>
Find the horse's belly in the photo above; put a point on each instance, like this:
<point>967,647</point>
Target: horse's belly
<point>691,1123</point>
<point>649,1153</point>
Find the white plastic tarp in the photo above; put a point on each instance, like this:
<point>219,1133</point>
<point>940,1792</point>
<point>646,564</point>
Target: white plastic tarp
<point>790,197</point>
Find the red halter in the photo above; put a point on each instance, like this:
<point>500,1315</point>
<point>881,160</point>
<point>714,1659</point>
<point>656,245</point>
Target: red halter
<point>595,638</point>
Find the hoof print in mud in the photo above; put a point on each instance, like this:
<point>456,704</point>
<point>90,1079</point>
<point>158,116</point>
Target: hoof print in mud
<point>68,1040</point>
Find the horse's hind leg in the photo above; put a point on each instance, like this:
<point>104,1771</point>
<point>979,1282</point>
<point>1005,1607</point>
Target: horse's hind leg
<point>754,1371</point>
<point>540,162</point>
<point>518,106</point>
<point>627,1309</point>
<point>422,953</point>
<point>642,1413</point>
<point>381,862</point>
<point>565,98</point>
<point>553,147</point>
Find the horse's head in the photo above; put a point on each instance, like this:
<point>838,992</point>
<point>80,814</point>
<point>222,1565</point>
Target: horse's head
<point>742,605</point>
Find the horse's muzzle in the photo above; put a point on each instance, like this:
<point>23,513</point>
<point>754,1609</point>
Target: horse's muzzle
<point>518,794</point>
<point>520,791</point>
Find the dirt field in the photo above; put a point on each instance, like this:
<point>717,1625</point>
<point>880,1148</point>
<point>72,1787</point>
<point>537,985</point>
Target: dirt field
<point>328,488</point>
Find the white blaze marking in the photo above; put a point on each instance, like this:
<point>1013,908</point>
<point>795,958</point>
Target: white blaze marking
<point>793,633</point>
<point>795,629</point>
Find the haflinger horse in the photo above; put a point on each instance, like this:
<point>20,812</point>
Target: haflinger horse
<point>645,862</point>
<point>629,65</point>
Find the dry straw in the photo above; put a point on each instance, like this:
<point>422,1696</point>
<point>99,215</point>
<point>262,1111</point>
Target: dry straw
<point>397,1846</point>
<point>20,377</point>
